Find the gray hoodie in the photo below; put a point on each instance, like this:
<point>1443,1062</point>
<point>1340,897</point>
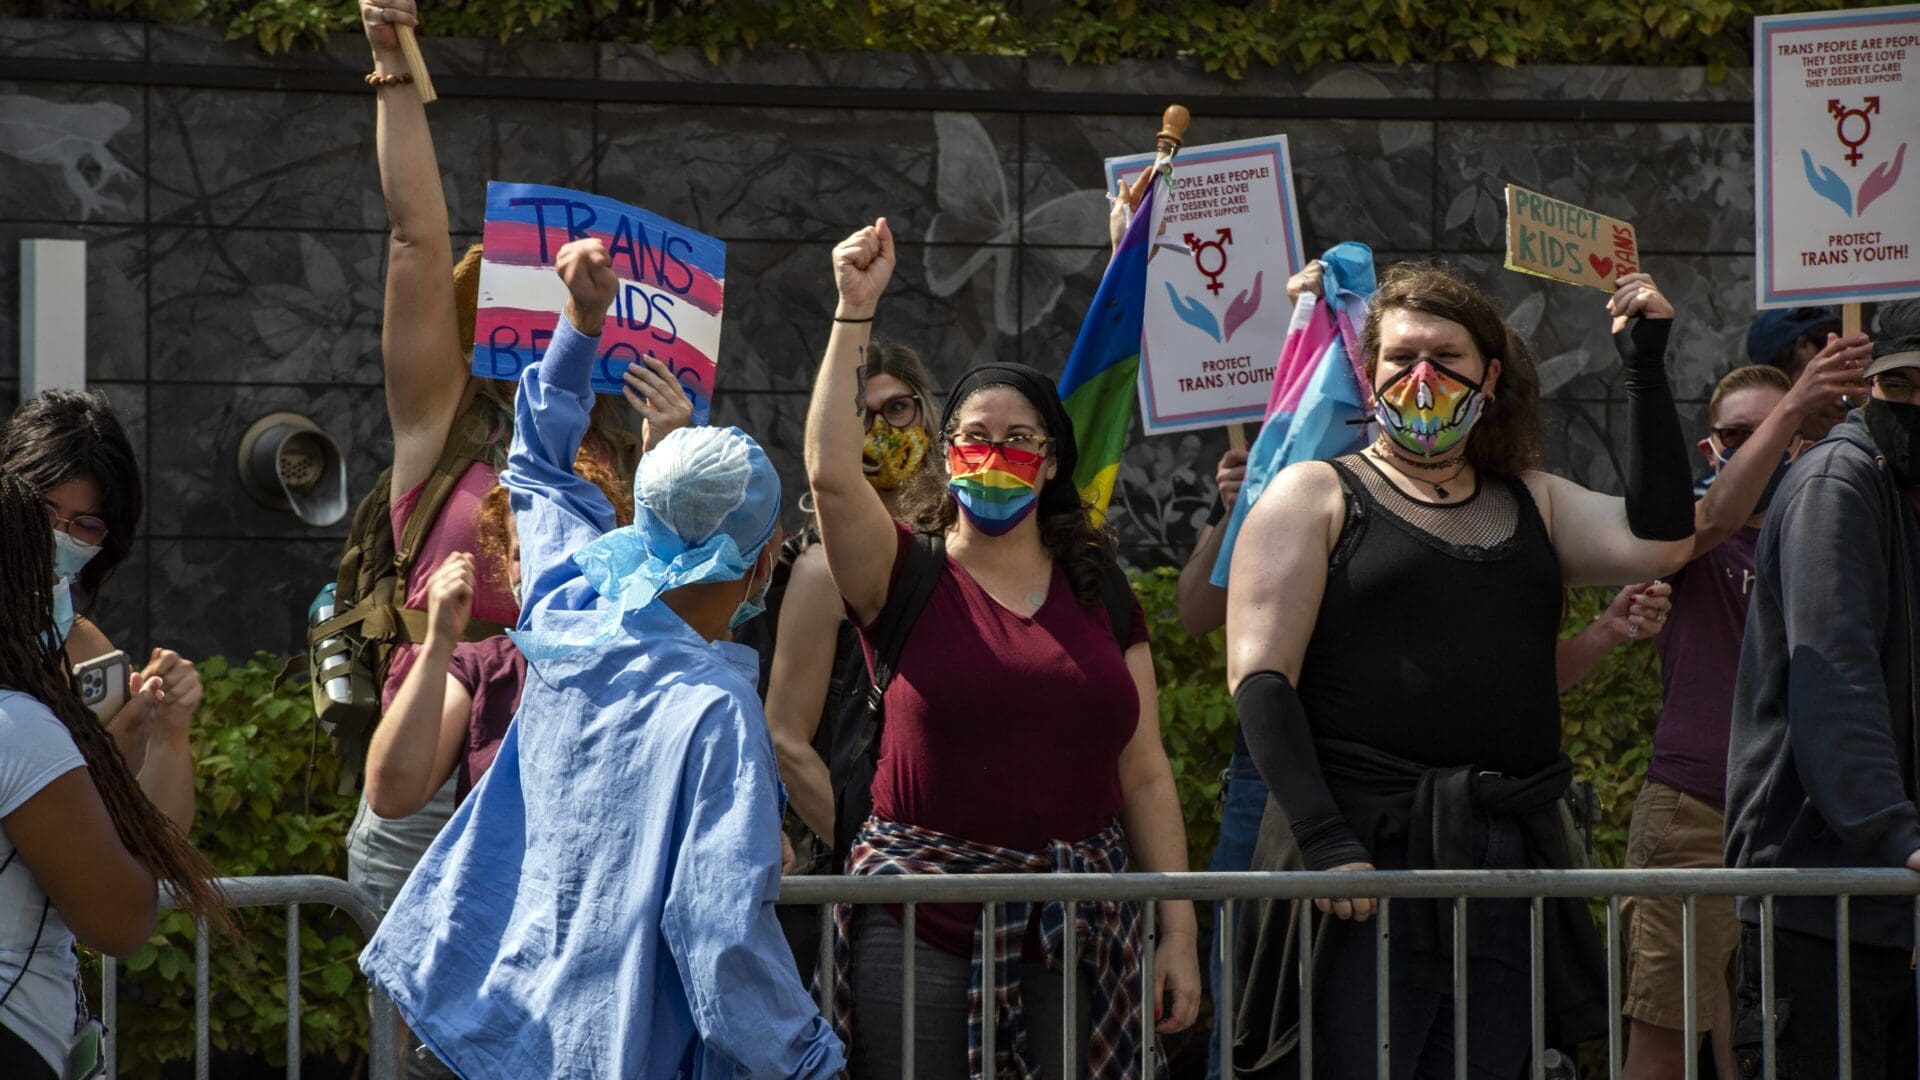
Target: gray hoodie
<point>1820,772</point>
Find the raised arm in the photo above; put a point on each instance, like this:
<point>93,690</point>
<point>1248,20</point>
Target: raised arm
<point>719,922</point>
<point>426,371</point>
<point>68,840</point>
<point>1736,491</point>
<point>803,658</point>
<point>556,511</point>
<point>419,738</point>
<point>1203,605</point>
<point>855,528</point>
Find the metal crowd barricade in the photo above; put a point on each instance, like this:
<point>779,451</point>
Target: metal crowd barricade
<point>383,1020</point>
<point>1461,887</point>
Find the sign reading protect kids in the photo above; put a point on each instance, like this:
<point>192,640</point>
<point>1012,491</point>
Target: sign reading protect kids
<point>1553,239</point>
<point>1836,112</point>
<point>1226,237</point>
<point>672,284</point>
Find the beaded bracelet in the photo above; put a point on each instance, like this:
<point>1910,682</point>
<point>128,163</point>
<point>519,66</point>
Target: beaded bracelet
<point>379,81</point>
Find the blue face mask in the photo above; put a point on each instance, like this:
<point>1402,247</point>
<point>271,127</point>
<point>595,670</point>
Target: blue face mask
<point>63,609</point>
<point>70,556</point>
<point>1773,484</point>
<point>751,608</point>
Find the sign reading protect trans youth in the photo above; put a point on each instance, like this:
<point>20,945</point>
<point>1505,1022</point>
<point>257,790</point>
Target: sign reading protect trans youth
<point>672,284</point>
<point>1226,237</point>
<point>1836,115</point>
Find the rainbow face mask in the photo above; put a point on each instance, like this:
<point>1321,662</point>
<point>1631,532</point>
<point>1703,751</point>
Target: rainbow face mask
<point>892,455</point>
<point>997,487</point>
<point>1427,410</point>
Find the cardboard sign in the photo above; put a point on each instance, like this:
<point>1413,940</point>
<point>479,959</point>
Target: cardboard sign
<point>1226,239</point>
<point>1836,115</point>
<point>1553,239</point>
<point>672,284</point>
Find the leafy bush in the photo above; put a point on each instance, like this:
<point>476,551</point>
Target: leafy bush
<point>1229,36</point>
<point>267,787</point>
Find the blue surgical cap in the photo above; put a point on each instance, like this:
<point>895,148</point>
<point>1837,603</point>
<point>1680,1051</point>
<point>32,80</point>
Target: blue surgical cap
<point>706,501</point>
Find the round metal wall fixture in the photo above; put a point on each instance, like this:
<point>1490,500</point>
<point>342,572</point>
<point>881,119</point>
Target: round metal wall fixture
<point>288,463</point>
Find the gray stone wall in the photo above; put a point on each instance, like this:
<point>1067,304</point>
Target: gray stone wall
<point>237,235</point>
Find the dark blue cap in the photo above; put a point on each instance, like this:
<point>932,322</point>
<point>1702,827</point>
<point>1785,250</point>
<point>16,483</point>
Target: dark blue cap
<point>1772,336</point>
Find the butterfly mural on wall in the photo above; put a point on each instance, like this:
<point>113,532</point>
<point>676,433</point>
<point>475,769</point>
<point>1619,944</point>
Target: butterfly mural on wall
<point>1059,237</point>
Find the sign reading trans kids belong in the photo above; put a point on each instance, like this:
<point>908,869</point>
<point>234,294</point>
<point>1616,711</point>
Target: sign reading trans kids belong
<point>1836,116</point>
<point>1226,237</point>
<point>672,282</point>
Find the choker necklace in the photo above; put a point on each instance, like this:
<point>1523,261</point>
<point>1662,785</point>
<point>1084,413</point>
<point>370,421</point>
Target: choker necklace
<point>1439,486</point>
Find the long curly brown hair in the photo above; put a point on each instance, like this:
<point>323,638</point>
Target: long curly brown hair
<point>491,535</point>
<point>1085,550</point>
<point>33,662</point>
<point>1508,439</point>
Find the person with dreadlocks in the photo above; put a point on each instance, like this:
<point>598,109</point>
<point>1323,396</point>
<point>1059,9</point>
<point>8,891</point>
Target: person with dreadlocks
<point>81,846</point>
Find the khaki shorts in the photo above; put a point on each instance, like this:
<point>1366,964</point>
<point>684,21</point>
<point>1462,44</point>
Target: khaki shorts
<point>1672,830</point>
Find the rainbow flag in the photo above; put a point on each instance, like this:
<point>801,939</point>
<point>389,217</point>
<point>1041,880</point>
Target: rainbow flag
<point>1099,385</point>
<point>1318,386</point>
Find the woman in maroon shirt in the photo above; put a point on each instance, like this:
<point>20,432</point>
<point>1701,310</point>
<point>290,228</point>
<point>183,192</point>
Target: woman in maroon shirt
<point>1018,736</point>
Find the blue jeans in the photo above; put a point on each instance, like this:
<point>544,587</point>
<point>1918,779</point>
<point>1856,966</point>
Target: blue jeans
<point>1240,817</point>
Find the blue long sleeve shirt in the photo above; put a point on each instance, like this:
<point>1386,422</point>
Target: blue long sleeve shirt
<point>602,904</point>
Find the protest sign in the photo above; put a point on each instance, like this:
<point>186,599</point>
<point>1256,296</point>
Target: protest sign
<point>672,283</point>
<point>1836,111</point>
<point>1553,239</point>
<point>1226,236</point>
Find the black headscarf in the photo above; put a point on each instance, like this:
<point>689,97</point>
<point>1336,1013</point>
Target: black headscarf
<point>1038,390</point>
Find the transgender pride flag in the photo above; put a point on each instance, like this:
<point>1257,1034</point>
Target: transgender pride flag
<point>672,286</point>
<point>1317,386</point>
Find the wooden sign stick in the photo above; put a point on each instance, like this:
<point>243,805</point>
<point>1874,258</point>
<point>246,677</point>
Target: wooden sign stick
<point>417,64</point>
<point>1849,319</point>
<point>1237,436</point>
<point>1173,133</point>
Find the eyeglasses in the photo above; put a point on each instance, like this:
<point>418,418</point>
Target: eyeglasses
<point>1898,388</point>
<point>902,411</point>
<point>89,529</point>
<point>1731,437</point>
<point>974,448</point>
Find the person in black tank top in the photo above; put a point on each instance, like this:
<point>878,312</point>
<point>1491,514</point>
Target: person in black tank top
<point>1391,632</point>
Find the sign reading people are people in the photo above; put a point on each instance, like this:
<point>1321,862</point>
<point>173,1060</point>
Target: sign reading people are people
<point>1226,237</point>
<point>1553,239</point>
<point>1836,100</point>
<point>672,284</point>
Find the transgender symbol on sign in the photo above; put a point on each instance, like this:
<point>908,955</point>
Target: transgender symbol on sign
<point>1198,315</point>
<point>1852,128</point>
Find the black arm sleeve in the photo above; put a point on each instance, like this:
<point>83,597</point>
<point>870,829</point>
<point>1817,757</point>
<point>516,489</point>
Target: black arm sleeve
<point>1658,478</point>
<point>1275,726</point>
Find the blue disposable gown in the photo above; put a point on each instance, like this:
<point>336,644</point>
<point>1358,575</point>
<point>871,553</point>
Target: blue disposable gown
<point>602,903</point>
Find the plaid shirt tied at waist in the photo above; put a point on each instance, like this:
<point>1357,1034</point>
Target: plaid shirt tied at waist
<point>1108,933</point>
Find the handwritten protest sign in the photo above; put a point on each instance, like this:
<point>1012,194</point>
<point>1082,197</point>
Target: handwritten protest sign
<point>672,284</point>
<point>1226,238</point>
<point>1553,239</point>
<point>1836,111</point>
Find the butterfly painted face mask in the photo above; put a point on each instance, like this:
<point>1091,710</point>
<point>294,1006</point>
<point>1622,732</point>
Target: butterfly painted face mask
<point>1427,409</point>
<point>996,486</point>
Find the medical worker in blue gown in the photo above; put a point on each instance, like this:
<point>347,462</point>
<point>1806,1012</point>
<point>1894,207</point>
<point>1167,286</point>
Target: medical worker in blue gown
<point>602,904</point>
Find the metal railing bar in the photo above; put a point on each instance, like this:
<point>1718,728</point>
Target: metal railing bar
<point>1690,986</point>
<point>824,966</point>
<point>110,1011</point>
<point>1768,1021</point>
<point>1305,949</point>
<point>1382,997</point>
<point>1536,951</point>
<point>1843,960</point>
<point>989,917</point>
<point>1222,991</point>
<point>1070,992</point>
<point>293,992</point>
<point>909,1012</point>
<point>1613,988</point>
<point>1460,1071</point>
<point>202,1005</point>
<point>1148,935</point>
<point>1404,884</point>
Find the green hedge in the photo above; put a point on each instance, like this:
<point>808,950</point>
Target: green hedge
<point>267,785</point>
<point>1230,36</point>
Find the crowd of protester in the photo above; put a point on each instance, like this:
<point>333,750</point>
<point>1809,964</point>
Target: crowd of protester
<point>617,703</point>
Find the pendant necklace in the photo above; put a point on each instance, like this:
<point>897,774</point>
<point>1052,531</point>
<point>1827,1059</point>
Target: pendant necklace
<point>1439,486</point>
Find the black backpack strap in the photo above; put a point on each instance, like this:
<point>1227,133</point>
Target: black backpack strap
<point>1116,593</point>
<point>925,557</point>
